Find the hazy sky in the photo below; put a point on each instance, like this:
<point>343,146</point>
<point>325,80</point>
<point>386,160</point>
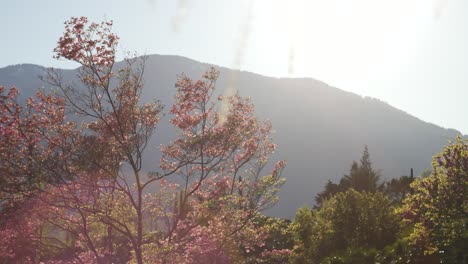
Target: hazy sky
<point>412,54</point>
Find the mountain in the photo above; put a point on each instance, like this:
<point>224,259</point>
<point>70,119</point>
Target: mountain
<point>320,129</point>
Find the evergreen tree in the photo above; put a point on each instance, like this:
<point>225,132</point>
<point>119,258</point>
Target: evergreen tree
<point>362,177</point>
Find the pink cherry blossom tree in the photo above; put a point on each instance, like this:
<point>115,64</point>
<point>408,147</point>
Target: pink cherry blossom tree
<point>97,202</point>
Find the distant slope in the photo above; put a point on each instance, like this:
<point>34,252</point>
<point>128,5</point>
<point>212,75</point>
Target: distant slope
<point>320,129</point>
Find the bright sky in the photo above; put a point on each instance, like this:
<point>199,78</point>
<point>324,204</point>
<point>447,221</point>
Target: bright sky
<point>412,54</point>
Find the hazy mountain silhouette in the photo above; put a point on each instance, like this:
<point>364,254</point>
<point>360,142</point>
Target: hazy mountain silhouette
<point>320,129</point>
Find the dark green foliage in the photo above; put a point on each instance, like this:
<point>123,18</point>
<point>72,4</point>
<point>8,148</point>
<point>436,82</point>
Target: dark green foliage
<point>352,256</point>
<point>347,221</point>
<point>397,189</point>
<point>330,190</point>
<point>362,177</point>
<point>361,219</point>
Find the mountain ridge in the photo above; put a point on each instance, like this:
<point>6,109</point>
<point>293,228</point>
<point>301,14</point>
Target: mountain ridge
<point>44,69</point>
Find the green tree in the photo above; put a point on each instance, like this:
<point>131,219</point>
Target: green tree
<point>397,189</point>
<point>347,221</point>
<point>331,189</point>
<point>363,219</point>
<point>303,230</point>
<point>437,209</point>
<point>362,177</point>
